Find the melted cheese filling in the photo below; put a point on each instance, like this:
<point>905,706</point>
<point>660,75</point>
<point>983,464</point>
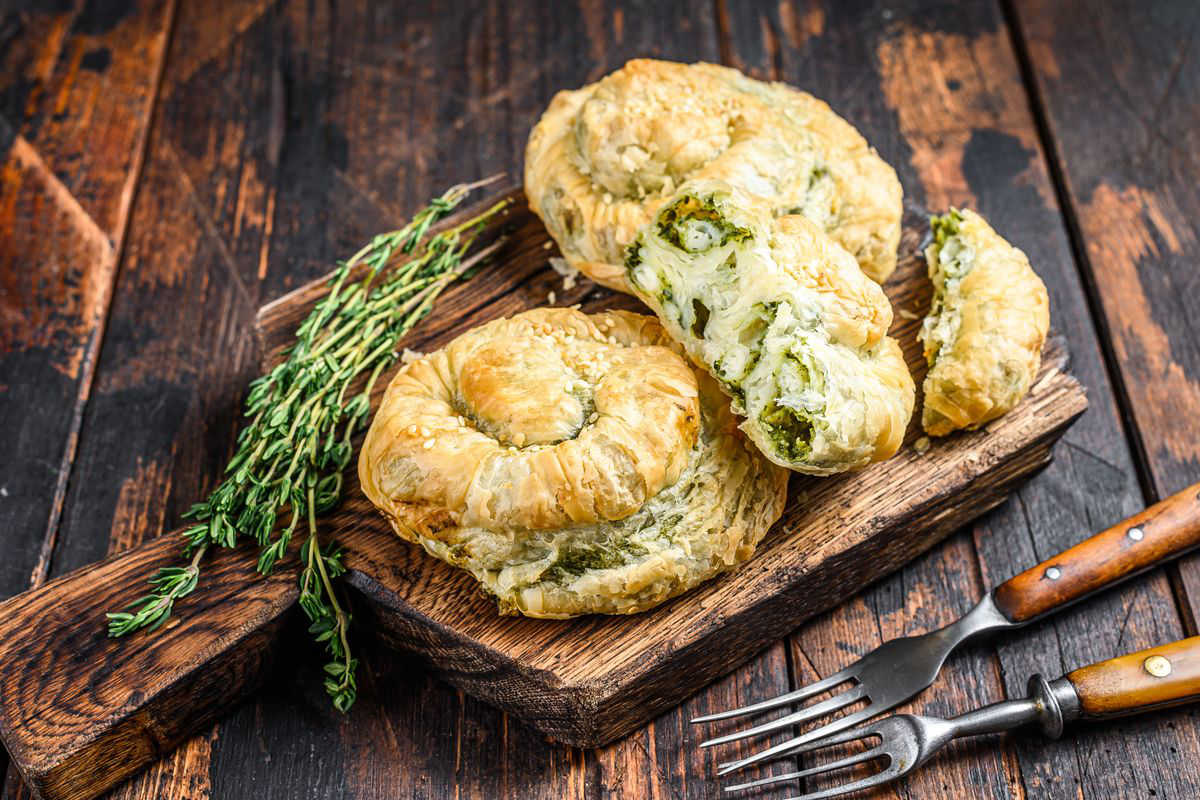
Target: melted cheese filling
<point>756,329</point>
<point>952,259</point>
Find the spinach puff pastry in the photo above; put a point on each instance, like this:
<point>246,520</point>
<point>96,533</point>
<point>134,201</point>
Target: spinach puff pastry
<point>573,464</point>
<point>784,319</point>
<point>985,329</point>
<point>604,158</point>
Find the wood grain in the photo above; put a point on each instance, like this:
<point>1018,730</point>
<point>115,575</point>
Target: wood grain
<point>942,101</point>
<point>75,100</point>
<point>1163,531</point>
<point>1147,680</point>
<point>163,410</point>
<point>80,711</point>
<point>1134,202</point>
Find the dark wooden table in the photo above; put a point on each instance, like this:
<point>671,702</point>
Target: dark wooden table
<point>168,167</point>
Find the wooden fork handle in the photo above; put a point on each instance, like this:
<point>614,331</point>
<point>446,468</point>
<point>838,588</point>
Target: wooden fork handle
<point>1155,678</point>
<point>1163,531</point>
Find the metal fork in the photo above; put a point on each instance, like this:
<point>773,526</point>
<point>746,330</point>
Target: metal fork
<point>1151,679</point>
<point>898,670</point>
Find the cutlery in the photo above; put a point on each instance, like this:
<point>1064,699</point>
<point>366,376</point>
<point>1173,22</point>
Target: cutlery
<point>1151,679</point>
<point>898,670</point>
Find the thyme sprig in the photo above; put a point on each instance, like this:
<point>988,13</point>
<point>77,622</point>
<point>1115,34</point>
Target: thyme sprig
<point>290,457</point>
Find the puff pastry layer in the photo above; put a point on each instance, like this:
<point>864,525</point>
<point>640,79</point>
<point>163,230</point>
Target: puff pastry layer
<point>604,158</point>
<point>985,330</point>
<point>784,319</point>
<point>573,464</point>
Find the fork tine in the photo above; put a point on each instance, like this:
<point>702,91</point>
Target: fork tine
<point>796,718</point>
<point>783,699</point>
<point>887,775</point>
<point>817,737</point>
<point>848,761</point>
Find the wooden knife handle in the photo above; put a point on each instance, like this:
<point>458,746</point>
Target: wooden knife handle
<point>1161,532</point>
<point>1153,678</point>
<point>80,712</point>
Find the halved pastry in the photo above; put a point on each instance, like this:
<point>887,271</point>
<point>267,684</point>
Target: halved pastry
<point>986,327</point>
<point>573,464</point>
<point>784,319</point>
<point>604,158</point>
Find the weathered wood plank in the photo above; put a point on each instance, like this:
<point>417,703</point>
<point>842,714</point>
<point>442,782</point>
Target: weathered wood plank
<point>947,108</point>
<point>176,304</point>
<point>1133,197</point>
<point>75,98</point>
<point>76,90</point>
<point>81,711</point>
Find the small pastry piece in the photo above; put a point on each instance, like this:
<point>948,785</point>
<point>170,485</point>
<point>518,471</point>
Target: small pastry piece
<point>573,464</point>
<point>784,319</point>
<point>604,158</point>
<point>985,330</point>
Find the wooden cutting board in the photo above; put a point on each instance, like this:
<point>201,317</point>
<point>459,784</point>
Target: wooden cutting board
<point>79,712</point>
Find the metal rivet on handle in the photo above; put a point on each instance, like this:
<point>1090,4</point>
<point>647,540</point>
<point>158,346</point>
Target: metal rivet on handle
<point>1158,666</point>
<point>1136,533</point>
<point>1053,573</point>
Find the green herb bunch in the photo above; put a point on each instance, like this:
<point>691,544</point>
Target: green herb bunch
<point>303,413</point>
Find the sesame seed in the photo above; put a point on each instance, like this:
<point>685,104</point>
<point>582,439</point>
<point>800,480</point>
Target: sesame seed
<point>428,444</point>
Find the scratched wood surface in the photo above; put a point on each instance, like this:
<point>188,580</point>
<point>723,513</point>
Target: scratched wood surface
<point>1133,201</point>
<point>168,167</point>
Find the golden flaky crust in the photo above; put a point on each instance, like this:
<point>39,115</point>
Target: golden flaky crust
<point>573,464</point>
<point>604,158</point>
<point>984,333</point>
<point>781,315</point>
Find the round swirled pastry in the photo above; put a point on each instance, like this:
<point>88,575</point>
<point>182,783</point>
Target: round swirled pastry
<point>784,319</point>
<point>604,158</point>
<point>573,464</point>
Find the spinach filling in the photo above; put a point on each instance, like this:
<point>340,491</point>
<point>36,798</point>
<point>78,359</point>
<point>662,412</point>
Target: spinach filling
<point>750,336</point>
<point>789,418</point>
<point>694,225</point>
<point>700,315</point>
<point>816,198</point>
<point>790,430</point>
<point>944,226</point>
<point>574,560</point>
<point>633,256</point>
<point>951,260</point>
